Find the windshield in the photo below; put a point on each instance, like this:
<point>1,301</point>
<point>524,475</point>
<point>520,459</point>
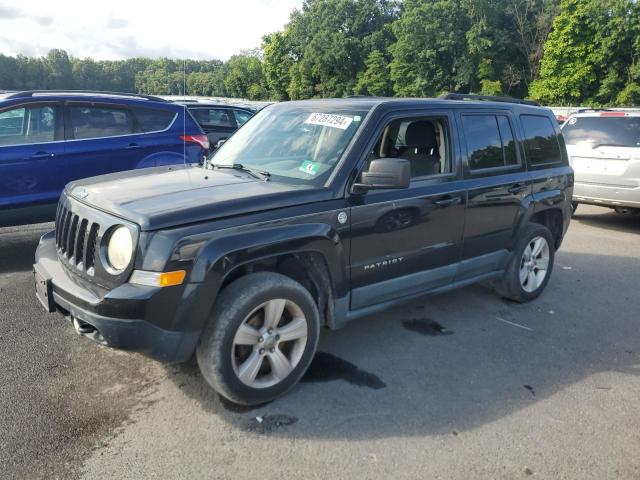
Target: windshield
<point>294,144</point>
<point>613,131</point>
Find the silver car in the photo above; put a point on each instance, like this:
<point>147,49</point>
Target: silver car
<point>604,151</point>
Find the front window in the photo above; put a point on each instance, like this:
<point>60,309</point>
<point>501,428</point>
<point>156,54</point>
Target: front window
<point>295,144</point>
<point>602,131</point>
<point>27,125</point>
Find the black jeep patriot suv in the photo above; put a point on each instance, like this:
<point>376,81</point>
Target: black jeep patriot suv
<point>313,214</point>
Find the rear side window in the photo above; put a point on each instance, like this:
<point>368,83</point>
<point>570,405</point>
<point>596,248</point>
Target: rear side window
<point>153,119</point>
<point>241,117</point>
<point>490,141</point>
<point>98,122</point>
<point>541,142</point>
<point>214,117</point>
<point>26,125</point>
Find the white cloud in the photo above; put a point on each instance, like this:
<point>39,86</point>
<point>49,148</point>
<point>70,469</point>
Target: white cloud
<point>117,29</point>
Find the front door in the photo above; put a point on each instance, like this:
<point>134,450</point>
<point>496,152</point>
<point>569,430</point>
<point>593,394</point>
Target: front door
<point>31,155</point>
<point>408,241</point>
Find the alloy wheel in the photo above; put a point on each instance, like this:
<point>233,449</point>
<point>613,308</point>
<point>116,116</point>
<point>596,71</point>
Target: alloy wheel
<point>269,343</point>
<point>534,264</point>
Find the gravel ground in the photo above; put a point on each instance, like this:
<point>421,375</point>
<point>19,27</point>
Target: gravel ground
<point>459,386</point>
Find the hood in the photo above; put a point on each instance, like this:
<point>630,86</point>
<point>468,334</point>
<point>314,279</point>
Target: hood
<point>163,197</point>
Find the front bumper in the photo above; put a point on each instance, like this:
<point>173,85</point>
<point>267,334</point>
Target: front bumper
<point>606,195</point>
<point>126,317</point>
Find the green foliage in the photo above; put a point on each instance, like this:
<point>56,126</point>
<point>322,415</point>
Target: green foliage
<point>592,54</point>
<point>244,78</point>
<point>490,87</point>
<point>329,42</point>
<point>277,64</point>
<point>429,54</point>
<point>375,79</point>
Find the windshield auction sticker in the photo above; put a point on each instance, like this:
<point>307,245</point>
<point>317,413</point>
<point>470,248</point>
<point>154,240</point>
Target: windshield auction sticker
<point>309,167</point>
<point>329,120</point>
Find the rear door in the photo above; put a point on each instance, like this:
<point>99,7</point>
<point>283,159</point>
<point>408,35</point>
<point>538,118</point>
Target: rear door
<point>159,144</point>
<point>101,138</point>
<point>497,183</point>
<point>31,154</point>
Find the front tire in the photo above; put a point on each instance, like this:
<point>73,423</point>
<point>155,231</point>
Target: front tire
<point>261,337</point>
<point>574,207</point>
<point>530,266</point>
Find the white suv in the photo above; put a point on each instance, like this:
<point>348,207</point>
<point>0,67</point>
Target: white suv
<point>604,151</point>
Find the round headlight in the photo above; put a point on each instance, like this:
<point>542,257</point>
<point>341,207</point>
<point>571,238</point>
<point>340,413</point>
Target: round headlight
<point>120,249</point>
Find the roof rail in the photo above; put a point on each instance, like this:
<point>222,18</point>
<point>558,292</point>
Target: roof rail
<point>489,98</point>
<point>33,93</point>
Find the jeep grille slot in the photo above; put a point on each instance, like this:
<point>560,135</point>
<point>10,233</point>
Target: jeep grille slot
<point>90,254</point>
<point>76,239</point>
<point>81,238</point>
<point>71,238</point>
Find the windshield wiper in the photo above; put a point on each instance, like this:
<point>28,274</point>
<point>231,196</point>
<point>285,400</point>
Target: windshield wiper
<point>608,145</point>
<point>259,174</point>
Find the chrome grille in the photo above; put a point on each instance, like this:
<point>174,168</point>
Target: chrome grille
<point>76,239</point>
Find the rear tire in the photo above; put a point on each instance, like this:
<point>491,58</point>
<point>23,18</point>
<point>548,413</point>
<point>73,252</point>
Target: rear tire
<point>530,266</point>
<point>261,337</point>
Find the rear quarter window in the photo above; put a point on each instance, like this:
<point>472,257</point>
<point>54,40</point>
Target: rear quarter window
<point>153,119</point>
<point>541,144</point>
<point>214,117</point>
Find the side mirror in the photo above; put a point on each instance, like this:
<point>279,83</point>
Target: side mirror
<point>384,173</point>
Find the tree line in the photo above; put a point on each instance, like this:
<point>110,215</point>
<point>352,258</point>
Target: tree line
<point>556,51</point>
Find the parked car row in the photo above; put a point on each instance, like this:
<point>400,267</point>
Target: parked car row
<point>48,139</point>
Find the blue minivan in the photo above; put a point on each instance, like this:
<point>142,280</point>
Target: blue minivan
<point>48,139</point>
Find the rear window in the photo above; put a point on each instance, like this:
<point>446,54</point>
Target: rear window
<point>241,117</point>
<point>153,119</point>
<point>214,117</point>
<point>99,122</point>
<point>490,142</point>
<point>541,142</point>
<point>603,131</point>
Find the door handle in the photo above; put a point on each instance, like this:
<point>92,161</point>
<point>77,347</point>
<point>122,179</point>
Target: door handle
<point>517,188</point>
<point>133,146</point>
<point>445,202</point>
<point>42,155</point>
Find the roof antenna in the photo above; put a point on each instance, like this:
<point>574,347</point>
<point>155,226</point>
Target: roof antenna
<point>184,113</point>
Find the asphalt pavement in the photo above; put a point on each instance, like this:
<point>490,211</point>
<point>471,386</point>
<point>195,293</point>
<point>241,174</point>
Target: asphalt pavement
<point>458,386</point>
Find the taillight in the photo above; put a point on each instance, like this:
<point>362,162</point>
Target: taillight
<point>613,114</point>
<point>201,140</point>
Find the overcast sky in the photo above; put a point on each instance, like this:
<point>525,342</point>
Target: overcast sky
<point>116,29</point>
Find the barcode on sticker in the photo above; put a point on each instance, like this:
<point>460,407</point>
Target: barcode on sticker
<point>329,120</point>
